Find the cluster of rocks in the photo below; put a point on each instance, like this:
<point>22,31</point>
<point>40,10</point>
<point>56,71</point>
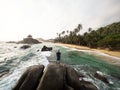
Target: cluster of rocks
<point>53,77</point>
<point>29,40</point>
<point>45,48</point>
<point>25,47</point>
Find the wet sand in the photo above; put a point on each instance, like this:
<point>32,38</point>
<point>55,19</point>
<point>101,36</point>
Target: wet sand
<point>112,57</point>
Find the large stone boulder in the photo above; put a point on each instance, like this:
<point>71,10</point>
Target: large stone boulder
<point>30,78</point>
<point>67,87</point>
<point>72,79</point>
<point>45,48</point>
<point>55,77</point>
<point>25,47</point>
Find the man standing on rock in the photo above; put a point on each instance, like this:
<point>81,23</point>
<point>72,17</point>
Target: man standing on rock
<point>58,55</point>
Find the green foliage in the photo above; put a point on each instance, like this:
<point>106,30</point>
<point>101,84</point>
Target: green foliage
<point>111,41</point>
<point>104,37</point>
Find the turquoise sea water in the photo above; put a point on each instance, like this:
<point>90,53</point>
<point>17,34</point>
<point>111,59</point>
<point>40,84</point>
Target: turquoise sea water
<point>89,65</point>
<point>14,61</point>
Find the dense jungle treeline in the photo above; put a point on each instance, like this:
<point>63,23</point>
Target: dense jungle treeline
<point>107,37</point>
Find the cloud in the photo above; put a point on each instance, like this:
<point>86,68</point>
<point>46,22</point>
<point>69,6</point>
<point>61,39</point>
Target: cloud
<point>44,18</point>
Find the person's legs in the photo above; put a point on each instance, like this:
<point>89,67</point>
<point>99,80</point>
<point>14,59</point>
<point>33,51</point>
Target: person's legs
<point>58,60</point>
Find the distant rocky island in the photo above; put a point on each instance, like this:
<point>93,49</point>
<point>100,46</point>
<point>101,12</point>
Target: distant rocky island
<point>29,40</point>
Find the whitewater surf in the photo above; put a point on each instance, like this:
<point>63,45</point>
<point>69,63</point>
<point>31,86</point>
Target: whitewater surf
<point>14,61</point>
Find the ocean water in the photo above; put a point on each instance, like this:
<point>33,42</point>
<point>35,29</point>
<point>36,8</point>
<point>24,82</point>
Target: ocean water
<point>14,61</point>
<point>87,63</point>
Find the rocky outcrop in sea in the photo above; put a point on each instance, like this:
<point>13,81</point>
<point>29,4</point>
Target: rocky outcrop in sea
<point>45,48</point>
<point>25,46</point>
<point>29,40</point>
<point>53,77</point>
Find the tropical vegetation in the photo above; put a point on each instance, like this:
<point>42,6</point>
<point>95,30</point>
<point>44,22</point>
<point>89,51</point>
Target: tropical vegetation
<point>107,37</point>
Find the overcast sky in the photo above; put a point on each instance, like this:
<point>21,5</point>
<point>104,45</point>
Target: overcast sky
<point>44,18</point>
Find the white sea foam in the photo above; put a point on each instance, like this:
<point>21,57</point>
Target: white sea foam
<point>87,79</point>
<point>9,52</point>
<point>96,53</point>
<point>100,73</point>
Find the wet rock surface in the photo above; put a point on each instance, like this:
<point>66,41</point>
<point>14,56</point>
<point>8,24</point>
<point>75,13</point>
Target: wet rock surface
<point>45,48</point>
<point>30,78</point>
<point>25,47</point>
<point>101,77</point>
<point>54,77</point>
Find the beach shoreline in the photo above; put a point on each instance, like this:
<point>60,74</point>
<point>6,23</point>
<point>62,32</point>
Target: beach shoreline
<point>109,54</point>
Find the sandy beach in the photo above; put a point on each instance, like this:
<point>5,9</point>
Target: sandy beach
<point>111,55</point>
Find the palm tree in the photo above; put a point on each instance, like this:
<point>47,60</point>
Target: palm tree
<point>76,30</point>
<point>63,32</point>
<point>79,27</point>
<point>89,29</point>
<point>67,32</point>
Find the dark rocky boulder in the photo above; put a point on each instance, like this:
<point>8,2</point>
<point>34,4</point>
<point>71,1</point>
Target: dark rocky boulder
<point>15,47</point>
<point>55,77</point>
<point>101,77</point>
<point>45,48</point>
<point>67,87</point>
<point>30,78</point>
<point>73,80</point>
<point>38,50</point>
<point>25,46</point>
<point>86,85</point>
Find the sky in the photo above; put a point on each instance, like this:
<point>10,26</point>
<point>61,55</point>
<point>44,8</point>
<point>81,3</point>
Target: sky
<point>45,18</point>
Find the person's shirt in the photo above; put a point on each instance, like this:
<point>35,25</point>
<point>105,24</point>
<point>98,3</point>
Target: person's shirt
<point>58,54</point>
